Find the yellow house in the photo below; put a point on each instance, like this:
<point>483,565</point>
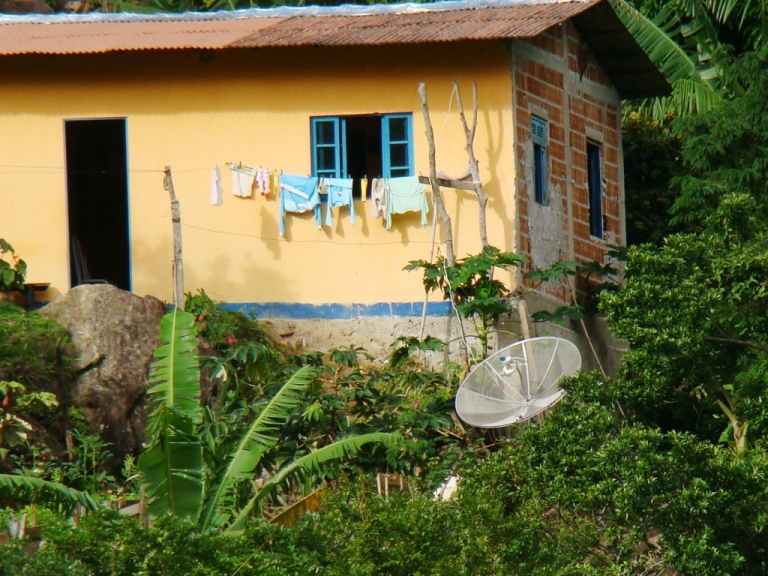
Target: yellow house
<point>96,106</point>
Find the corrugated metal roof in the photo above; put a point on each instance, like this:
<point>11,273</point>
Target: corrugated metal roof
<point>49,35</point>
<point>110,36</point>
<point>338,26</point>
<point>520,21</point>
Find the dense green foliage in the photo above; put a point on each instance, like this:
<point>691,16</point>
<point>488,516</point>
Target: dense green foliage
<point>106,544</point>
<point>589,492</point>
<point>34,350</point>
<point>725,154</point>
<point>36,372</point>
<point>652,158</point>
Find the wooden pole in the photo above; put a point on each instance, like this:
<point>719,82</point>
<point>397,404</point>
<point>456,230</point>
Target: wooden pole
<point>469,133</point>
<point>438,198</point>
<point>178,265</point>
<point>525,327</point>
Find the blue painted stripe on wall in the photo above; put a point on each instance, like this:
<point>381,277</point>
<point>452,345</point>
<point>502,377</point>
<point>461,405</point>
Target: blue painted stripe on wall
<point>339,311</point>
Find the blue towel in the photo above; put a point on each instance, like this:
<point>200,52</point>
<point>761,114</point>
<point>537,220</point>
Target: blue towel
<point>298,194</point>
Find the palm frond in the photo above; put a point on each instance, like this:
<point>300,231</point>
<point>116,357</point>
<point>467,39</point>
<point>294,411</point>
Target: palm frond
<point>15,485</point>
<point>341,449</point>
<point>171,465</point>
<point>262,435</point>
<point>687,98</point>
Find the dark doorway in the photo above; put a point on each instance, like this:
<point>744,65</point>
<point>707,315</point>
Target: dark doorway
<point>97,196</point>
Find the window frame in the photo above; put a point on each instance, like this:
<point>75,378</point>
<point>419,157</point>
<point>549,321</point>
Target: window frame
<point>539,134</point>
<point>340,148</point>
<point>595,188</point>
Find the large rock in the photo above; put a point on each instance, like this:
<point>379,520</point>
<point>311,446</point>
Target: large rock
<point>115,333</point>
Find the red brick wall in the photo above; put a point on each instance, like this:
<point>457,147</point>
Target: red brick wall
<point>557,78</point>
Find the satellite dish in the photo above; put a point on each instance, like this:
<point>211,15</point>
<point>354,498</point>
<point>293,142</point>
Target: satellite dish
<point>517,382</point>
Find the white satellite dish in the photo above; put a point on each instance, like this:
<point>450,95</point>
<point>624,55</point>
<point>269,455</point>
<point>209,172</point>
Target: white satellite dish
<point>517,382</point>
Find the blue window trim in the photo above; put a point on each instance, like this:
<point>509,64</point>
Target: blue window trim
<point>339,145</point>
<point>387,142</point>
<point>539,139</point>
<point>594,183</point>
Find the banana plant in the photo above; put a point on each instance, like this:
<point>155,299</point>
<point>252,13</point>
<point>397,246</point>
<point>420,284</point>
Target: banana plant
<point>173,465</point>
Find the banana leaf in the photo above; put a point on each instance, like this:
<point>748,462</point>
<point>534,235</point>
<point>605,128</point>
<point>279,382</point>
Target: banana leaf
<point>172,463</point>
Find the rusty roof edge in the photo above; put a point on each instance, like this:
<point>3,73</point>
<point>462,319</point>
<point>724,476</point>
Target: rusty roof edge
<point>278,12</point>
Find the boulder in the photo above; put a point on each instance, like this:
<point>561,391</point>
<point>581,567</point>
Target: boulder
<point>115,333</point>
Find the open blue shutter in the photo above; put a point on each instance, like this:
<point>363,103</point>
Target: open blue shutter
<point>396,145</point>
<point>594,182</point>
<point>328,145</point>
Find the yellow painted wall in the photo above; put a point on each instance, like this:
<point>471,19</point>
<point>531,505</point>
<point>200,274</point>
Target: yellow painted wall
<point>250,106</point>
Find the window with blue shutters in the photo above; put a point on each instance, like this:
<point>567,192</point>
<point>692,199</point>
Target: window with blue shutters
<point>594,183</point>
<point>539,139</point>
<point>363,146</point>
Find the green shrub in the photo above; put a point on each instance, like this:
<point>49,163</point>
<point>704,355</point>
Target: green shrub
<point>35,351</point>
<point>108,544</point>
<point>12,273</point>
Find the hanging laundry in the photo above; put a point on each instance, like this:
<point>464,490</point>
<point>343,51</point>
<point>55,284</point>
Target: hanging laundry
<point>274,184</point>
<point>217,192</point>
<point>298,194</point>
<point>242,180</point>
<point>364,189</point>
<point>406,195</point>
<point>379,198</point>
<point>339,192</point>
<point>262,181</point>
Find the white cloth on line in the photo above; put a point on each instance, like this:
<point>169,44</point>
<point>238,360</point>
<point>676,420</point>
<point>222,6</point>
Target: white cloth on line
<point>217,192</point>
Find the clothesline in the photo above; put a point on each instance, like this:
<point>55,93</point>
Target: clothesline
<point>325,241</point>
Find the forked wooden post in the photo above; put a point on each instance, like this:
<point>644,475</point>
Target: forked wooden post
<point>178,265</point>
<point>469,133</point>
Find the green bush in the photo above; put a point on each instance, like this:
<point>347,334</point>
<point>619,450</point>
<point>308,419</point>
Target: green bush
<point>12,273</point>
<point>107,544</point>
<point>38,354</point>
<point>35,351</point>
